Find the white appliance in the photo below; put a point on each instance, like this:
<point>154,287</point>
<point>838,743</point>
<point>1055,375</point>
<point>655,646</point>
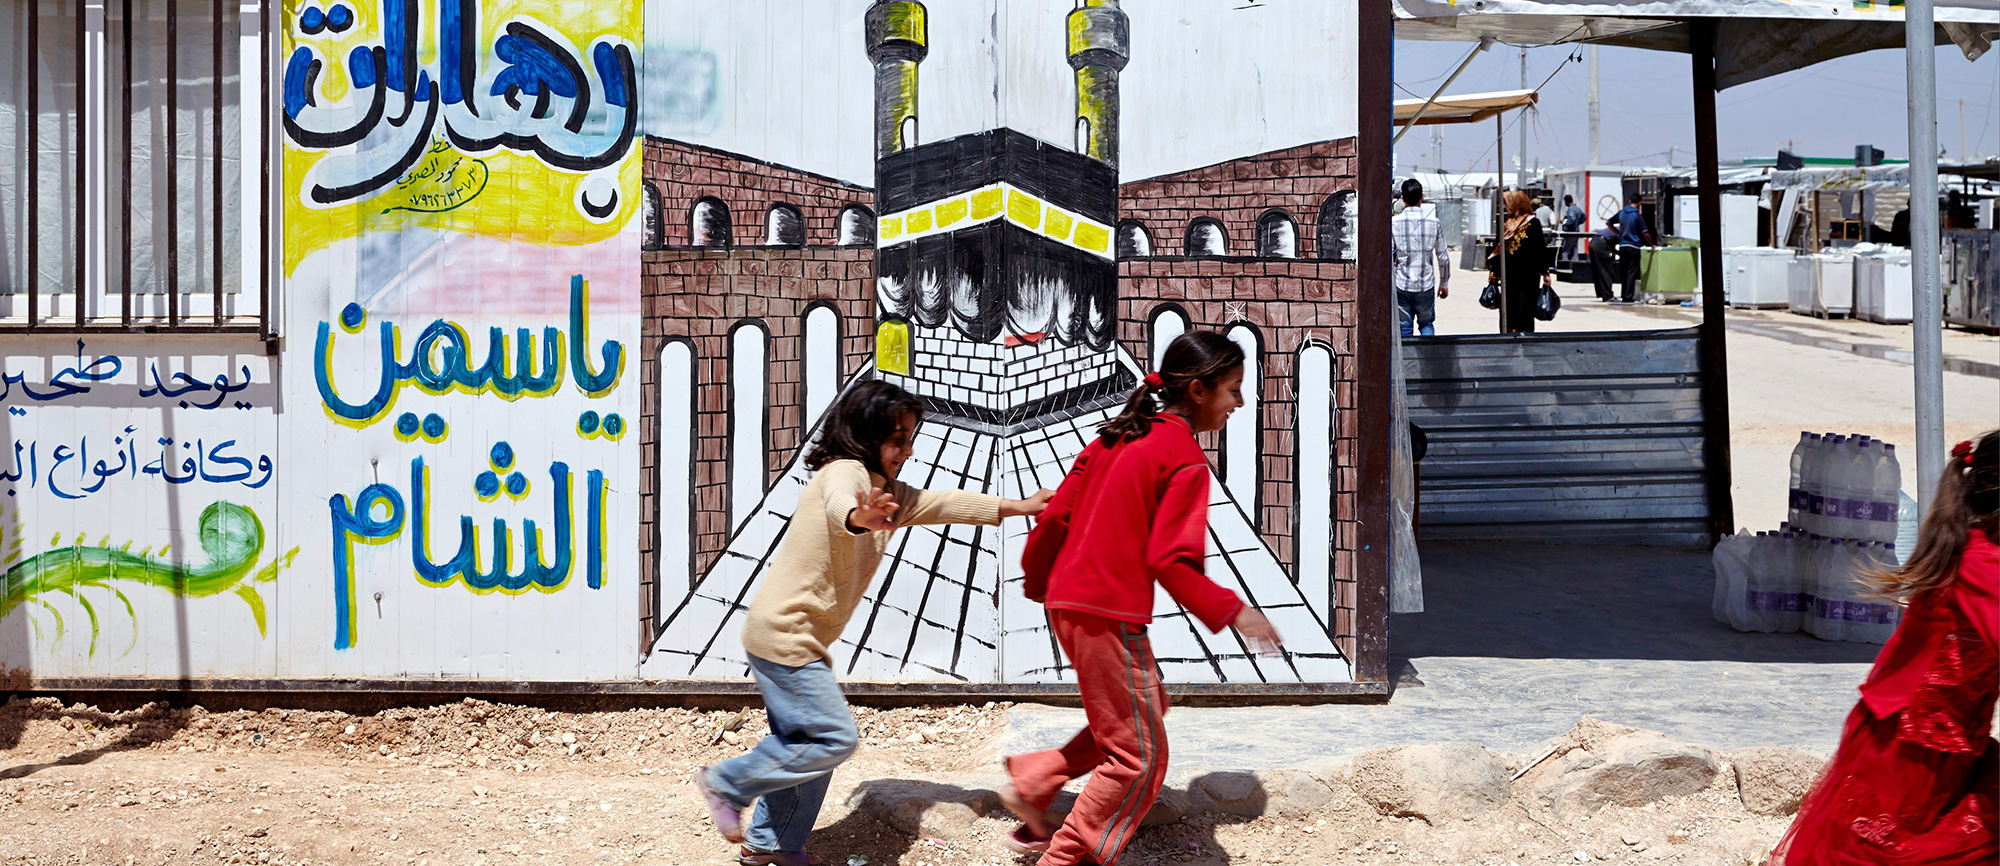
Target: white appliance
<point>1757,277</point>
<point>1833,284</point>
<point>1799,289</point>
<point>1739,219</point>
<point>1882,286</point>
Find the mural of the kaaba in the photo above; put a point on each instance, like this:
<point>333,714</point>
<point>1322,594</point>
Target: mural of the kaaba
<point>1007,209</point>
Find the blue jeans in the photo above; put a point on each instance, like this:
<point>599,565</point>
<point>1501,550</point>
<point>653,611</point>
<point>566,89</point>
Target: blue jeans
<point>1418,306</point>
<point>812,732</point>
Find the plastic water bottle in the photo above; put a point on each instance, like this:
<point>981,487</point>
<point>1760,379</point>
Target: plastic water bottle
<point>1835,448</point>
<point>1785,585</point>
<point>1797,508</point>
<point>1828,599</point>
<point>1906,525</point>
<point>1812,477</point>
<point>1888,489</point>
<point>1861,487</point>
<point>1869,619</point>
<point>1840,474</point>
<point>1756,604</point>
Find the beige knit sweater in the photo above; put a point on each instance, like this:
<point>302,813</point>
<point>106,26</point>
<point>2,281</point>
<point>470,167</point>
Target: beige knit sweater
<point>822,569</point>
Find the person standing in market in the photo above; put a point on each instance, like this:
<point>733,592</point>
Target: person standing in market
<point>1603,252</point>
<point>1519,263</point>
<point>1572,221</point>
<point>1422,266</point>
<point>1633,233</point>
<point>1546,214</point>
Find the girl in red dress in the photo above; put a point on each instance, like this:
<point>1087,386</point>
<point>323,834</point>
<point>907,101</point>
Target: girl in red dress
<point>1914,780</point>
<point>1133,511</point>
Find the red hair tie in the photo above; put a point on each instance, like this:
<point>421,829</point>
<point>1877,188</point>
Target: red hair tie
<point>1153,380</point>
<point>1962,452</point>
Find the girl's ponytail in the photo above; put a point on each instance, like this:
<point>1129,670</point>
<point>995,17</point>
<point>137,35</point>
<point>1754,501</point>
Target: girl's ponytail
<point>1203,356</point>
<point>1137,417</point>
<point>1967,500</point>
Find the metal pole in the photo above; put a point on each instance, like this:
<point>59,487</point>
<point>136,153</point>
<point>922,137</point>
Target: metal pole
<point>1716,459</point>
<point>1425,108</point>
<point>1523,183</point>
<point>1593,106</point>
<point>1927,320</point>
<point>1500,208</point>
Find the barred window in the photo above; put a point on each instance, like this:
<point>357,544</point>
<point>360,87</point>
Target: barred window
<point>132,177</point>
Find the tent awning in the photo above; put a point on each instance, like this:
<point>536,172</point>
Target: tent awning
<point>1843,178</point>
<point>1464,108</point>
<point>1754,39</point>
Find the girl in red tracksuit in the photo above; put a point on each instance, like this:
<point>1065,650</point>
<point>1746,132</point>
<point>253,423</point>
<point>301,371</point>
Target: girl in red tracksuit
<point>1133,511</point>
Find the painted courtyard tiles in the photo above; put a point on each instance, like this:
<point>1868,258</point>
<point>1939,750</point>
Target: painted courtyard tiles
<point>461,198</point>
<point>933,611</point>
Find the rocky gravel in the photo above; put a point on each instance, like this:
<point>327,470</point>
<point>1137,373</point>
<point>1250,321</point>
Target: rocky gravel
<point>485,783</point>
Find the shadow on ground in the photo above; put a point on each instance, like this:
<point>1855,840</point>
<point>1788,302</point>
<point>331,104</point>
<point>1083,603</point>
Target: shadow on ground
<point>141,727</point>
<point>1531,601</point>
<point>885,822</point>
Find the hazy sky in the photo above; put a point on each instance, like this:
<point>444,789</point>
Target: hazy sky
<point>1647,106</point>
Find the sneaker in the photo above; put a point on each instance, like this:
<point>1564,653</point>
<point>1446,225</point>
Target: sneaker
<point>748,857</point>
<point>728,819</point>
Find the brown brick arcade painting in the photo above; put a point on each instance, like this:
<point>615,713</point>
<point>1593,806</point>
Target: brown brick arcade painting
<point>1008,209</point>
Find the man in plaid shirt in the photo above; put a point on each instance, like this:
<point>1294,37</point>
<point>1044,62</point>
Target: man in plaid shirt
<point>1421,263</point>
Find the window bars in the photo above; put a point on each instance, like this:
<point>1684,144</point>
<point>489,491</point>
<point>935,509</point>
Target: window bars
<point>135,167</point>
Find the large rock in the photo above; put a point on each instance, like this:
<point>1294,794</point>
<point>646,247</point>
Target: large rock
<point>1773,781</point>
<point>1293,793</point>
<point>1438,782</point>
<point>923,808</point>
<point>1228,793</point>
<point>1172,806</point>
<point>1630,770</point>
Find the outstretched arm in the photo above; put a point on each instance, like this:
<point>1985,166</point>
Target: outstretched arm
<point>1029,507</point>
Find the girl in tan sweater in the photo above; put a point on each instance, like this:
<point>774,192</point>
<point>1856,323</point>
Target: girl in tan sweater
<point>832,547</point>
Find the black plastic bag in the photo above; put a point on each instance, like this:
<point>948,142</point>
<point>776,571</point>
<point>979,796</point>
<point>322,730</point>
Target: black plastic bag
<point>1490,299</point>
<point>1547,304</point>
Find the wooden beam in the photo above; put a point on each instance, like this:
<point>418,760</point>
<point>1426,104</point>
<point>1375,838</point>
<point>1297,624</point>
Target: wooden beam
<point>1374,349</point>
<point>1714,345</point>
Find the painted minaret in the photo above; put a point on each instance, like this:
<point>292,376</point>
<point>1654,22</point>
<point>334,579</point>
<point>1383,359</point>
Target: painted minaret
<point>996,282</point>
<point>897,42</point>
<point>1099,47</point>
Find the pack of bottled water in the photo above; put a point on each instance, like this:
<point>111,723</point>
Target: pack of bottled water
<point>1845,516</point>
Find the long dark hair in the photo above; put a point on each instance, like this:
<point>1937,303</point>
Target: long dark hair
<point>1967,500</point>
<point>859,422</point>
<point>1203,356</point>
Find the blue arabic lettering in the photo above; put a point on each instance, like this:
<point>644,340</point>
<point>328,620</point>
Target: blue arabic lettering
<point>441,361</point>
<point>358,521</point>
<point>349,525</point>
<point>204,463</point>
<point>79,378</point>
<point>463,566</point>
<point>526,61</point>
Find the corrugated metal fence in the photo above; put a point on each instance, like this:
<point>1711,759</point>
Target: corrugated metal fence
<point>1588,437</point>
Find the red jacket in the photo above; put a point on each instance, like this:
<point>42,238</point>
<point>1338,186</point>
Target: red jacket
<point>1939,668</point>
<point>1124,517</point>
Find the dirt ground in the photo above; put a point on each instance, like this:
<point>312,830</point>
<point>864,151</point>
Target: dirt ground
<point>483,783</point>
